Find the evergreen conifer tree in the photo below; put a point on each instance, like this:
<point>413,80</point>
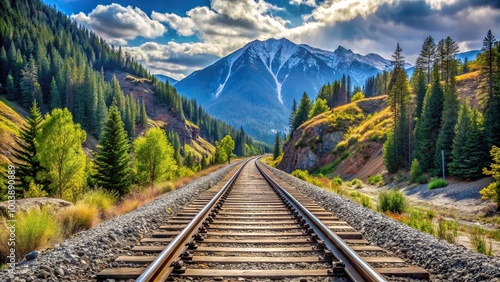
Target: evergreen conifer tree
<point>112,158</point>
<point>27,163</point>
<point>302,112</point>
<point>277,146</point>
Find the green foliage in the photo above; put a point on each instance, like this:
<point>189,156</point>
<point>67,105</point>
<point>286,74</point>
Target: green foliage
<point>390,154</point>
<point>277,147</point>
<point>478,241</point>
<point>358,96</point>
<point>415,171</point>
<point>35,229</point>
<point>320,106</point>
<point>220,155</point>
<point>337,180</point>
<point>437,183</point>
<point>112,158</point>
<point>101,199</point>
<point>422,179</point>
<point>35,191</point>
<point>302,112</point>
<point>227,145</point>
<point>27,163</point>
<point>428,126</point>
<point>421,221</point>
<point>356,183</point>
<point>448,121</point>
<point>391,201</point>
<point>336,93</point>
<point>59,149</point>
<point>468,145</point>
<point>492,191</point>
<point>301,174</point>
<point>447,230</point>
<point>154,157</point>
<point>376,180</point>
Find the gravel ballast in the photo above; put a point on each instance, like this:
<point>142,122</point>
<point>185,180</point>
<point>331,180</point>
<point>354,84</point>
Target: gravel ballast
<point>445,262</point>
<point>84,255</point>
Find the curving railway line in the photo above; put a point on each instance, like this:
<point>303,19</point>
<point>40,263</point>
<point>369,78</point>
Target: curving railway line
<point>253,225</point>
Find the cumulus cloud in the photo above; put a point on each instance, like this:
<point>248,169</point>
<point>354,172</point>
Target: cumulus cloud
<point>311,3</point>
<point>117,24</point>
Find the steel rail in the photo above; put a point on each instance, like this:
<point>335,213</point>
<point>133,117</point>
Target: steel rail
<point>356,268</point>
<point>160,268</point>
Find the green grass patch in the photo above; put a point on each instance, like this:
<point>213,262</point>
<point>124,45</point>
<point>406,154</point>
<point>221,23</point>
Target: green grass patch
<point>35,229</point>
<point>392,201</point>
<point>437,183</point>
<point>356,183</point>
<point>421,221</point>
<point>477,237</point>
<point>447,230</point>
<point>376,180</point>
<point>101,199</point>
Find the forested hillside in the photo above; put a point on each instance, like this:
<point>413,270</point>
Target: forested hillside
<point>72,79</point>
<point>448,110</point>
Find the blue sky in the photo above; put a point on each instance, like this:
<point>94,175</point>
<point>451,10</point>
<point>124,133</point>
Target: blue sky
<point>176,38</point>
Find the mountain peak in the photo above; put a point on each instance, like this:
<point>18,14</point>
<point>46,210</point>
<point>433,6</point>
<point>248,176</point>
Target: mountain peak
<point>342,50</point>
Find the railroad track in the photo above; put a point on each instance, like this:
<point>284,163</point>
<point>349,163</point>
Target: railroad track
<point>252,225</point>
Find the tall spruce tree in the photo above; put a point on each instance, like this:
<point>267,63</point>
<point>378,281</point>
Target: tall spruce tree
<point>419,88</point>
<point>468,145</point>
<point>27,164</point>
<point>302,112</point>
<point>277,146</point>
<point>112,158</point>
<point>292,116</point>
<point>427,57</point>
<point>428,126</point>
<point>399,153</point>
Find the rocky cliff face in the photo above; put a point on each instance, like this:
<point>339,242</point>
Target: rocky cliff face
<point>313,143</point>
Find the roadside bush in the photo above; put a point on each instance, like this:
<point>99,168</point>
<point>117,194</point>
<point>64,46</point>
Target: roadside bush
<point>437,183</point>
<point>101,199</point>
<point>391,201</point>
<point>337,188</point>
<point>35,229</point>
<point>356,183</point>
<point>447,230</point>
<point>422,179</point>
<point>415,171</point>
<point>79,217</point>
<point>301,174</point>
<point>337,180</point>
<point>478,241</point>
<point>365,201</point>
<point>376,180</point>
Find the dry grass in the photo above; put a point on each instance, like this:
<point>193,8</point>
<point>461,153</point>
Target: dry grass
<point>467,76</point>
<point>77,218</point>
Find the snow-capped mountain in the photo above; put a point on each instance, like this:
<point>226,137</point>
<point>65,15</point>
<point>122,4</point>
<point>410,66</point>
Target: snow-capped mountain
<point>255,86</point>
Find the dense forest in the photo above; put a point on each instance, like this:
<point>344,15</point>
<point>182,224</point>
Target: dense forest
<point>51,65</point>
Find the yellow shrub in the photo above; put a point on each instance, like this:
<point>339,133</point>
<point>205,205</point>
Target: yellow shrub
<point>79,217</point>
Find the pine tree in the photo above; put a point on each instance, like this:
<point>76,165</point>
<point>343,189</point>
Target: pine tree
<point>399,101</point>
<point>465,66</point>
<point>420,88</point>
<point>30,88</point>
<point>55,95</point>
<point>112,158</point>
<point>389,153</point>
<point>449,64</point>
<point>277,147</point>
<point>447,132</point>
<point>427,57</point>
<point>467,149</point>
<point>302,112</point>
<point>10,87</point>
<point>27,163</point>
<point>292,116</point>
<point>428,126</point>
<point>143,115</point>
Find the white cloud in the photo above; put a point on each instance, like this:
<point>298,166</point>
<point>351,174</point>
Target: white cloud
<point>117,24</point>
<point>332,11</point>
<point>439,4</point>
<point>311,3</point>
<point>183,26</point>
